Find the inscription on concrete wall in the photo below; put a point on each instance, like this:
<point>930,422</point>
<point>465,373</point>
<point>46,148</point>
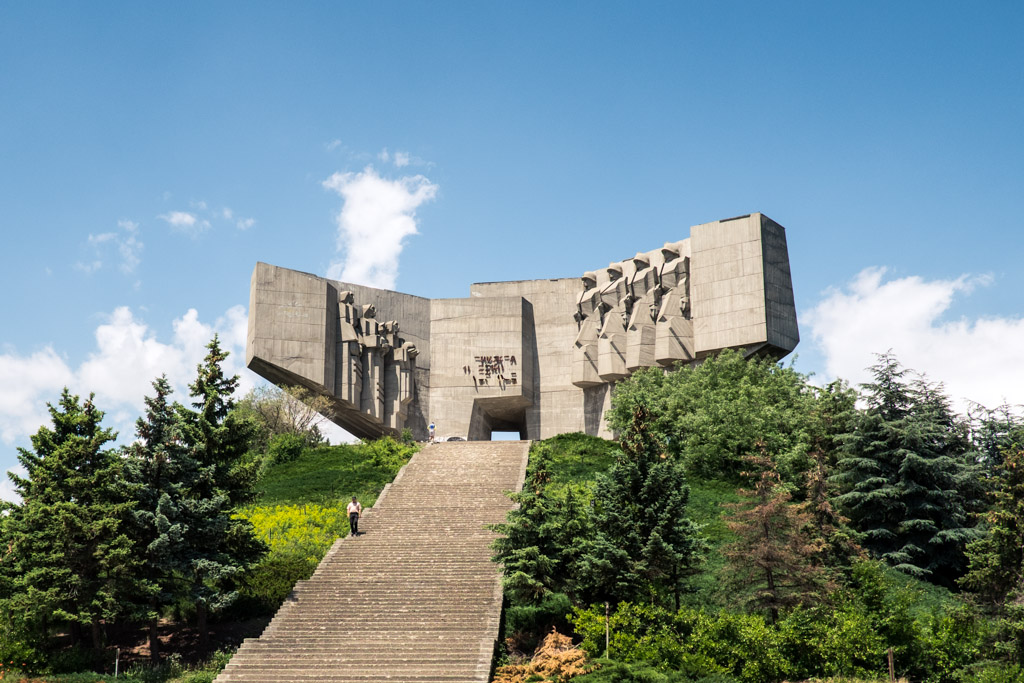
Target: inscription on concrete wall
<point>492,370</point>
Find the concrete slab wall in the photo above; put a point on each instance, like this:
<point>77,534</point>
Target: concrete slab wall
<point>482,372</point>
<point>559,407</point>
<point>537,356</point>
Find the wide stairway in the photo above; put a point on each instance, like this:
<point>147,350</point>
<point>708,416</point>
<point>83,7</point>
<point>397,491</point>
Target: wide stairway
<point>415,597</point>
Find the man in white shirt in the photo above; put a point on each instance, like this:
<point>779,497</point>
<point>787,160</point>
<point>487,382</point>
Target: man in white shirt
<point>354,510</point>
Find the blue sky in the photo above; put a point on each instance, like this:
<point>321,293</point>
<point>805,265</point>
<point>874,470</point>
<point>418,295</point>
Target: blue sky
<point>150,155</point>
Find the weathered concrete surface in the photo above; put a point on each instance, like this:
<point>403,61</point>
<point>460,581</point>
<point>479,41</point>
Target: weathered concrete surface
<point>535,356</point>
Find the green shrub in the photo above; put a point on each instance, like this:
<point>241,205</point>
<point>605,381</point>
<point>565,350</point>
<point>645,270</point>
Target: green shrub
<point>620,672</point>
<point>271,581</point>
<point>952,641</point>
<point>693,642</point>
<point>20,648</point>
<point>837,640</point>
<point>526,625</point>
<point>994,672</point>
<point>387,453</point>
<point>286,447</point>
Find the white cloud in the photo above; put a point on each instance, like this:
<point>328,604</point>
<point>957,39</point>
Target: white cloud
<point>102,237</point>
<point>185,222</point>
<point>333,145</point>
<point>179,219</point>
<point>26,380</point>
<point>89,267</point>
<point>377,215</point>
<point>129,246</point>
<point>227,214</point>
<point>979,359</point>
<point>245,223</point>
<point>399,159</point>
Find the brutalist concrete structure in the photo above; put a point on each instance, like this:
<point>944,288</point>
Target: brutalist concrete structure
<point>538,357</point>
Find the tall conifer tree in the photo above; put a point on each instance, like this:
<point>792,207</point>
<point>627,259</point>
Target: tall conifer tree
<point>71,555</point>
<point>540,543</point>
<point>221,548</point>
<point>996,560</point>
<point>907,480</point>
<point>644,544</point>
<point>775,559</point>
<point>161,474</point>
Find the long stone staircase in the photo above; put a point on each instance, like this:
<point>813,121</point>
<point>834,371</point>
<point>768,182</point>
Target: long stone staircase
<point>415,597</point>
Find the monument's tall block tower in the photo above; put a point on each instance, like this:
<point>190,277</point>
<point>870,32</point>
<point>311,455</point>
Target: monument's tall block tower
<point>535,356</point>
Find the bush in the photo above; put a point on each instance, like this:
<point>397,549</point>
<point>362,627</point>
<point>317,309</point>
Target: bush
<point>525,625</point>
<point>994,672</point>
<point>831,641</point>
<point>693,642</point>
<point>271,581</point>
<point>286,447</point>
<point>387,453</point>
<point>20,648</point>
<point>619,672</point>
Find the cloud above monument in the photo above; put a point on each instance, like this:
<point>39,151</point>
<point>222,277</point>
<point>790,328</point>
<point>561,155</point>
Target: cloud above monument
<point>125,241</point>
<point>377,215</point>
<point>977,359</point>
<point>183,221</point>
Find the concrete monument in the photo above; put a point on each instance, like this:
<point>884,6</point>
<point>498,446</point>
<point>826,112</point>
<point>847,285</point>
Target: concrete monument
<point>538,357</point>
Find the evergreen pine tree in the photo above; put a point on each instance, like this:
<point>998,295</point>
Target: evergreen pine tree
<point>161,474</point>
<point>775,559</point>
<point>220,547</point>
<point>906,477</point>
<point>996,560</point>
<point>71,558</point>
<point>541,540</point>
<point>643,546</point>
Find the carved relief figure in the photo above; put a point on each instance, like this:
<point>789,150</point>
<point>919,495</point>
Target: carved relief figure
<point>640,331</point>
<point>611,342</point>
<point>588,318</point>
<point>674,340</point>
<point>374,366</point>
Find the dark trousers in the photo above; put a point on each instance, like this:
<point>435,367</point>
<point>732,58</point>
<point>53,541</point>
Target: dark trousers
<point>353,522</point>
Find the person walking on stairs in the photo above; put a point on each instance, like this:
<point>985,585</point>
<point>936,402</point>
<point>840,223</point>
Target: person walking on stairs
<point>354,510</point>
